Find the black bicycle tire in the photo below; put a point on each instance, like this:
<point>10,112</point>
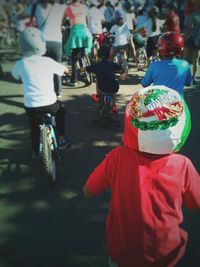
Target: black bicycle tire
<point>47,156</point>
<point>140,52</point>
<point>88,75</point>
<point>105,114</point>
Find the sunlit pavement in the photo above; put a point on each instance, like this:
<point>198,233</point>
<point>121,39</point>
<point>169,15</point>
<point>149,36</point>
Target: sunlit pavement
<point>45,226</point>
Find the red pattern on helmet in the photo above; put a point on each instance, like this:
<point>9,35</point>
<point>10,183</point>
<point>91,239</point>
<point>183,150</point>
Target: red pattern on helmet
<point>171,44</point>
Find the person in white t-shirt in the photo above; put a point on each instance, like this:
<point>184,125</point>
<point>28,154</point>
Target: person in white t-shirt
<point>36,72</point>
<point>49,15</point>
<point>121,33</point>
<point>95,18</point>
<point>154,26</point>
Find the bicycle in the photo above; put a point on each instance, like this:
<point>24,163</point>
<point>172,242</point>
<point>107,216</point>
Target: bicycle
<point>95,48</point>
<point>83,62</point>
<point>105,116</point>
<point>48,146</point>
<point>121,59</point>
<point>140,39</point>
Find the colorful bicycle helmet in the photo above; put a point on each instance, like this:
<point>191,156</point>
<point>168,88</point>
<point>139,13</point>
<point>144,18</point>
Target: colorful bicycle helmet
<point>171,44</point>
<point>32,42</point>
<point>157,121</point>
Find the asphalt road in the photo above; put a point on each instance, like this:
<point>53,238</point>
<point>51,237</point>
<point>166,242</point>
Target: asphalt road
<point>45,226</point>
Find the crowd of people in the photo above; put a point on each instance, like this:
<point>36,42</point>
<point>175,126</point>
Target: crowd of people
<point>149,181</point>
<point>98,16</point>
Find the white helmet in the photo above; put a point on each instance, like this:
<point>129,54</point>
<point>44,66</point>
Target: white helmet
<point>32,42</point>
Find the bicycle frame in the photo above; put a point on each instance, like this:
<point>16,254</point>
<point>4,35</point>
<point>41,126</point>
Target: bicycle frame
<point>48,148</point>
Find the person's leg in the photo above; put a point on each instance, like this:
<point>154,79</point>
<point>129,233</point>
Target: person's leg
<point>57,110</point>
<point>133,49</point>
<point>74,76</point>
<point>54,51</point>
<point>150,49</point>
<point>113,53</point>
<point>34,117</point>
<point>195,62</point>
<point>114,105</point>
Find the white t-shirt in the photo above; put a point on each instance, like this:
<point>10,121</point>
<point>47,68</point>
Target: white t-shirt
<point>49,20</point>
<point>95,20</point>
<point>122,34</point>
<point>130,18</point>
<point>36,73</point>
<point>149,24</point>
<point>77,13</point>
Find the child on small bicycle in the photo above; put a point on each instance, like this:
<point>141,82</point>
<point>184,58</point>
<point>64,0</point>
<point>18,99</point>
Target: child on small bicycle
<point>36,72</point>
<point>170,71</point>
<point>106,81</point>
<point>123,37</point>
<point>149,182</point>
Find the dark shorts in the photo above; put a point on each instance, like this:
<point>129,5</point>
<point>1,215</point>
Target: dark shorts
<point>121,47</point>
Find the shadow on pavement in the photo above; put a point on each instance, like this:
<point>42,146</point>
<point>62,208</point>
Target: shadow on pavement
<point>50,226</point>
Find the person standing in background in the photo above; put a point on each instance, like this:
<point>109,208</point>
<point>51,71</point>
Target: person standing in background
<point>80,38</point>
<point>192,38</point>
<point>172,22</point>
<point>108,15</point>
<point>49,14</point>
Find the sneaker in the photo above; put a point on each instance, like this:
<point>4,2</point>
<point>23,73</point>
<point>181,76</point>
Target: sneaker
<point>34,155</point>
<point>95,98</point>
<point>64,143</point>
<point>59,96</point>
<point>114,109</point>
<point>72,84</point>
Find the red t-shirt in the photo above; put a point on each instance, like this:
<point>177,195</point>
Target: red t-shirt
<point>147,192</point>
<point>173,22</point>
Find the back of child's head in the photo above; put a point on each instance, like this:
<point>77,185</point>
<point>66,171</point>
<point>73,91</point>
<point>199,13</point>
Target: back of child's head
<point>104,52</point>
<point>157,121</point>
<point>32,42</point>
<point>170,45</point>
<point>119,17</point>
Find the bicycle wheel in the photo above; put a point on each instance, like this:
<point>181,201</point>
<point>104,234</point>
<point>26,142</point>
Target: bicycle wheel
<point>141,58</point>
<point>47,154</point>
<point>87,75</point>
<point>125,65</point>
<point>105,110</point>
<point>121,59</point>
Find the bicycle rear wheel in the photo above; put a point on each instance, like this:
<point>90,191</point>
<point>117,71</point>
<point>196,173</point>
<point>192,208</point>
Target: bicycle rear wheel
<point>47,154</point>
<point>87,75</point>
<point>105,111</point>
<point>141,58</point>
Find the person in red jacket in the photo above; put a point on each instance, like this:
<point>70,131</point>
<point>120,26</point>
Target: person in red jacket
<point>172,22</point>
<point>149,182</point>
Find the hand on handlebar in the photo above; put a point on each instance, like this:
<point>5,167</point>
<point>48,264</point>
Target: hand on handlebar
<point>123,76</point>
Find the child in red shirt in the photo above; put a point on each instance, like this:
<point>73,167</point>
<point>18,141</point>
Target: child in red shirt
<point>149,182</point>
<point>172,22</point>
